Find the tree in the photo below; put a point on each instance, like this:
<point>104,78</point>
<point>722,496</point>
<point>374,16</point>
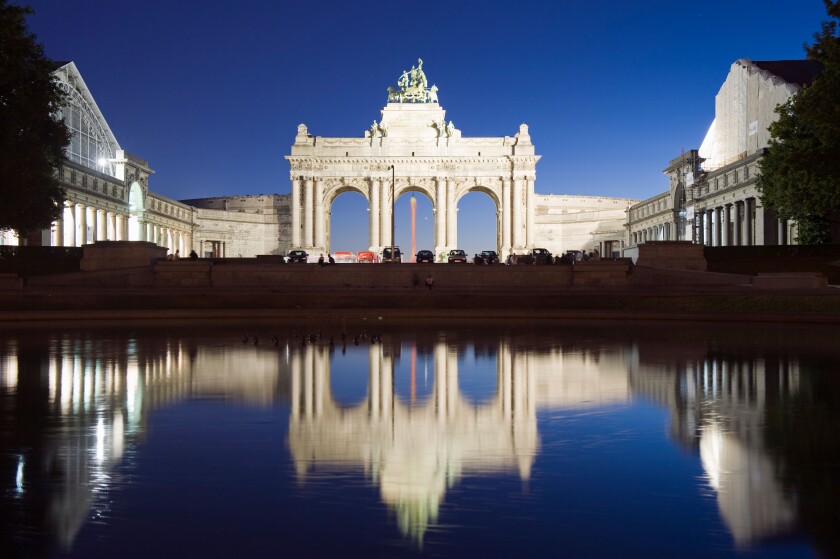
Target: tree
<point>800,173</point>
<point>32,138</point>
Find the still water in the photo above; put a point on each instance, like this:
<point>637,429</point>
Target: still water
<point>586,440</point>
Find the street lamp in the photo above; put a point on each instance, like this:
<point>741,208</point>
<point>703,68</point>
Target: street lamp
<point>393,202</point>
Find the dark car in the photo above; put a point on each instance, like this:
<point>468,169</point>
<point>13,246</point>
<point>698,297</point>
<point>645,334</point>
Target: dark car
<point>457,256</point>
<point>489,257</point>
<point>387,257</point>
<point>424,256</point>
<point>297,257</point>
<point>542,256</point>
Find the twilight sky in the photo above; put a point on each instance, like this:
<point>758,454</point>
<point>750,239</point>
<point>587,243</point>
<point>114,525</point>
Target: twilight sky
<point>211,92</point>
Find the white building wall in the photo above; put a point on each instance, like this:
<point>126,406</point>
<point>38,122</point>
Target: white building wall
<point>579,222</point>
<point>744,109</point>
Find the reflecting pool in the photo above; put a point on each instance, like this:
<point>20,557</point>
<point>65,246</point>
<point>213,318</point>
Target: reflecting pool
<point>327,440</point>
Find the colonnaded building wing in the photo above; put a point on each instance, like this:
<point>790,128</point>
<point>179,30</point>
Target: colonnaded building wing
<point>712,199</point>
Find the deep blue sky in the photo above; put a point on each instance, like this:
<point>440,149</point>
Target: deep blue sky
<point>211,92</point>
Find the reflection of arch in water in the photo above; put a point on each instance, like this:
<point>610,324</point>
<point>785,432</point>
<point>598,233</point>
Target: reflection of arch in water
<point>413,452</point>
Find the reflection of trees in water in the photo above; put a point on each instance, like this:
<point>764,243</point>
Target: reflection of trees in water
<point>801,433</point>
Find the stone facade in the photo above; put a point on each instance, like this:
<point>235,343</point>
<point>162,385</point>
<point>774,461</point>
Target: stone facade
<point>712,199</point>
<point>242,226</point>
<point>413,151</point>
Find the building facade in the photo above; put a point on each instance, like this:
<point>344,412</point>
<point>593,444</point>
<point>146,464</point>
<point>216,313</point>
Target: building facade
<point>712,198</point>
<point>107,188</point>
<point>412,149</point>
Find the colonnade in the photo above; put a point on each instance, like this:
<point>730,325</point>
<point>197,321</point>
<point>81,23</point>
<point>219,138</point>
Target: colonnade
<point>81,224</point>
<point>515,215</point>
<point>741,223</point>
<point>731,224</point>
<point>736,223</point>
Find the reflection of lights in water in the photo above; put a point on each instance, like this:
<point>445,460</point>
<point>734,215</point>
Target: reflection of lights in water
<point>19,476</point>
<point>88,378</point>
<point>711,445</point>
<point>118,434</point>
<point>100,441</point>
<point>9,373</point>
<point>77,385</point>
<point>132,394</point>
<point>66,384</point>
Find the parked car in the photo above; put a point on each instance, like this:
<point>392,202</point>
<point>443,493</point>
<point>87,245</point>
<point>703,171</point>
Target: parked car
<point>424,256</point>
<point>297,257</point>
<point>457,256</point>
<point>387,257</point>
<point>542,256</point>
<point>367,257</point>
<point>345,258</point>
<point>488,257</point>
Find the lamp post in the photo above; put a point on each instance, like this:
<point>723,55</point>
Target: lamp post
<point>393,203</point>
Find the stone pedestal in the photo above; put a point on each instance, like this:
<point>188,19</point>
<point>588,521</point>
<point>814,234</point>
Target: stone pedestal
<point>680,255</point>
<point>116,255</point>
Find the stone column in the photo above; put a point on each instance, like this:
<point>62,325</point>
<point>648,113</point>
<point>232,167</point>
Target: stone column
<point>710,240</point>
<point>727,220</point>
<point>308,213</point>
<point>451,215</point>
<point>440,216</point>
<point>750,238</point>
<point>530,214</point>
<point>374,214</point>
<point>506,216</point>
<point>59,229</point>
<point>758,223</point>
<point>716,226</point>
<point>81,239</point>
<point>320,217</point>
<point>102,228</point>
<point>698,226</point>
<point>295,213</point>
<point>385,213</point>
<point>516,209</point>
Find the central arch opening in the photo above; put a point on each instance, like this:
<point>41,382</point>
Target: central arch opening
<point>423,223</point>
<point>477,223</point>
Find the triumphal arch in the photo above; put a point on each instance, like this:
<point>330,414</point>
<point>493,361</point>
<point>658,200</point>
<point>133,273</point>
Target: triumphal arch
<point>413,149</point>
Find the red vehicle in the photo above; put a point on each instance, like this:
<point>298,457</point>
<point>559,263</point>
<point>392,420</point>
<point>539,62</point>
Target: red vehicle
<point>367,257</point>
